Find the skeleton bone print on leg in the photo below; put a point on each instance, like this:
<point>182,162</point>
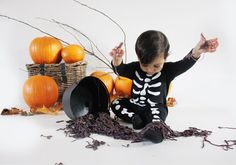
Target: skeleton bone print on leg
<point>121,109</point>
<point>145,88</point>
<point>124,110</point>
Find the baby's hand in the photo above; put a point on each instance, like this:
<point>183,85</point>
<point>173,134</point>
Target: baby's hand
<point>117,54</point>
<point>205,46</point>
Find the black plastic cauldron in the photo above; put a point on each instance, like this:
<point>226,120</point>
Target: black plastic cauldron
<point>88,96</point>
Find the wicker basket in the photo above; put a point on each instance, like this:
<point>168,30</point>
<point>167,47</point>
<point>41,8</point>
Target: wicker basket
<point>64,74</point>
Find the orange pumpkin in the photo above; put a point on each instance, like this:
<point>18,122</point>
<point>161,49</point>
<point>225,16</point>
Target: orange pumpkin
<point>106,78</point>
<point>39,91</point>
<point>72,53</point>
<point>45,50</point>
<point>123,86</point>
<point>113,97</point>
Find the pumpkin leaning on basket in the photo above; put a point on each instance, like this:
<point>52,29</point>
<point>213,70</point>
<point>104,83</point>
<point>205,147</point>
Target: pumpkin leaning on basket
<point>40,91</point>
<point>45,50</point>
<point>72,54</point>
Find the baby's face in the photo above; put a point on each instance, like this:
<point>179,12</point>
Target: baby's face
<point>155,66</point>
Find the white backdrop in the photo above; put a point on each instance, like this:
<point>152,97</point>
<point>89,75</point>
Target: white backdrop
<point>205,94</point>
<point>183,21</point>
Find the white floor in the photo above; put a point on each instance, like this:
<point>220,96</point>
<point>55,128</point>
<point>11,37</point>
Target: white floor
<point>205,94</point>
<point>21,144</point>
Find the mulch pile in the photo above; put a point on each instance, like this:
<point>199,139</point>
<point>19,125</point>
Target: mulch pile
<point>103,124</point>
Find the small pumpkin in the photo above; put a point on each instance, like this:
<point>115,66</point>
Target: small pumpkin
<point>45,50</point>
<point>39,91</point>
<point>113,97</point>
<point>106,78</point>
<point>72,53</point>
<point>123,86</point>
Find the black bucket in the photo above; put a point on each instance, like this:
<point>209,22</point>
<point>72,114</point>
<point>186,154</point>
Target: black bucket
<point>88,96</point>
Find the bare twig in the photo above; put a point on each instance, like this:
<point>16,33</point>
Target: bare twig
<point>36,28</point>
<point>46,136</point>
<point>228,144</point>
<point>226,127</point>
<point>76,38</point>
<point>61,26</point>
<point>102,13</point>
<point>78,31</point>
<point>60,121</point>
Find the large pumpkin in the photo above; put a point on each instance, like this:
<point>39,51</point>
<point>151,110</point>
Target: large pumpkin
<point>106,78</point>
<point>39,91</point>
<point>123,86</point>
<point>45,50</point>
<point>72,53</point>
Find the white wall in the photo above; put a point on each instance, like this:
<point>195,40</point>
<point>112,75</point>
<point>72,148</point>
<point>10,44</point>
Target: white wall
<point>212,80</point>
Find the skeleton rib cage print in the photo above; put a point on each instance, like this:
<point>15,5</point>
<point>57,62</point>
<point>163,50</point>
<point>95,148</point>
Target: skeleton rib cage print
<point>144,90</point>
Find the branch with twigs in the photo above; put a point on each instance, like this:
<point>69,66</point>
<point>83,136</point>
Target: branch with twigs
<point>34,27</point>
<point>104,14</point>
<point>66,43</point>
<point>92,44</point>
<point>73,35</point>
<point>78,31</point>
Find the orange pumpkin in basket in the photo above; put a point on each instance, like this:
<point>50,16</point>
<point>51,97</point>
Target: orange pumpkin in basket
<point>72,53</point>
<point>45,50</point>
<point>123,86</point>
<point>106,78</point>
<point>39,91</point>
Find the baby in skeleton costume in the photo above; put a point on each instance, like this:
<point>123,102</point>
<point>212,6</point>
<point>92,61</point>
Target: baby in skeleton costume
<point>151,77</point>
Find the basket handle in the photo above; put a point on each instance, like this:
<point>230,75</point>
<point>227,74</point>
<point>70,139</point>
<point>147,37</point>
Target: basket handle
<point>42,69</point>
<point>63,72</point>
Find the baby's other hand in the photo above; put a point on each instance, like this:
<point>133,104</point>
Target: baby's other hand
<point>205,46</point>
<point>117,54</point>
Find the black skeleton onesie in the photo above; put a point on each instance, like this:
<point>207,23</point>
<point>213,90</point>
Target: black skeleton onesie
<point>149,92</point>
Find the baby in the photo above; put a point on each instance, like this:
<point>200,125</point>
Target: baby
<point>151,76</point>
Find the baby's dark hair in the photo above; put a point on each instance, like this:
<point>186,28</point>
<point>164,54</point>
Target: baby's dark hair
<point>150,44</point>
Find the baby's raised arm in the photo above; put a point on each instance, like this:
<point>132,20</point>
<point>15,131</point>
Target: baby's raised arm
<point>204,46</point>
<point>117,55</point>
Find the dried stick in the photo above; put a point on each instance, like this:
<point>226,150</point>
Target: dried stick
<point>36,28</point>
<point>226,127</point>
<point>74,36</point>
<point>91,42</point>
<point>78,31</point>
<point>228,144</point>
<point>102,13</point>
